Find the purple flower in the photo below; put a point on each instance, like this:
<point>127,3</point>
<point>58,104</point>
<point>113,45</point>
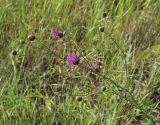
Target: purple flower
<point>73,58</point>
<point>57,33</point>
<point>95,67</point>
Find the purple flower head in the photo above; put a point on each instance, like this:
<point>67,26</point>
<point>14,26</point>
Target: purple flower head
<point>73,58</point>
<point>95,67</point>
<point>57,33</point>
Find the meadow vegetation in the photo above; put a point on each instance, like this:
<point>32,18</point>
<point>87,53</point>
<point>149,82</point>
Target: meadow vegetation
<point>79,62</point>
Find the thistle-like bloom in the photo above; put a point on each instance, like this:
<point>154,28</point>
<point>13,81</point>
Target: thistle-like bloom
<point>95,67</point>
<point>73,58</point>
<point>57,33</point>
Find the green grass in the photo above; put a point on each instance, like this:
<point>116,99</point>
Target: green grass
<point>37,86</point>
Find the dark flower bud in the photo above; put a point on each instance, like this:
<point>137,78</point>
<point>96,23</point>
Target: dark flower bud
<point>31,37</point>
<point>22,41</point>
<point>79,98</point>
<point>104,14</point>
<point>101,29</point>
<point>103,88</point>
<point>14,53</point>
<point>60,35</point>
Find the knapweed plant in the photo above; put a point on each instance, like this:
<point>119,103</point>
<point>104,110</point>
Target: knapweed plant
<point>79,62</point>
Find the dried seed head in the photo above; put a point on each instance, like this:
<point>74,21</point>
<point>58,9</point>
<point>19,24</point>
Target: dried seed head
<point>14,53</point>
<point>31,37</point>
<point>104,15</point>
<point>79,98</point>
<point>101,29</point>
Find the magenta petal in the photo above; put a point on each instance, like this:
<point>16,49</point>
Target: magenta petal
<point>56,33</point>
<point>72,58</point>
<point>95,67</point>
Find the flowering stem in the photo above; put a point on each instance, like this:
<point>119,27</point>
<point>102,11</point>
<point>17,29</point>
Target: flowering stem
<point>124,56</point>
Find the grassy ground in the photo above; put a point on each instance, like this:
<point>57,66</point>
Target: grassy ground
<point>38,86</point>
